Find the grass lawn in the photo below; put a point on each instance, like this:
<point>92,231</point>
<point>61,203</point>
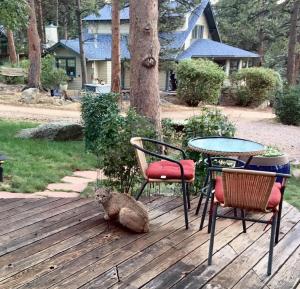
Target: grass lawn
<point>292,192</point>
<point>35,163</point>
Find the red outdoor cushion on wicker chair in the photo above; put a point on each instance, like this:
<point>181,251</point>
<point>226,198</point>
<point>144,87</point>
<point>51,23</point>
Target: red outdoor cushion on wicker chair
<point>171,171</point>
<point>274,198</point>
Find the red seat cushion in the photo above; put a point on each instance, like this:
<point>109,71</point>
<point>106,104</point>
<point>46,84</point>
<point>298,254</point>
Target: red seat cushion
<point>274,198</point>
<point>169,170</point>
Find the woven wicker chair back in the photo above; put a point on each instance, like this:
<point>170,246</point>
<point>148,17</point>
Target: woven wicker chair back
<point>247,189</point>
<point>141,157</point>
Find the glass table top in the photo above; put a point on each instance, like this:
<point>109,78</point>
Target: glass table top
<point>226,146</point>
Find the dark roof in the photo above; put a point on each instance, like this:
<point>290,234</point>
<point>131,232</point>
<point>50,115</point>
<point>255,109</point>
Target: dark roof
<point>98,49</point>
<point>207,48</point>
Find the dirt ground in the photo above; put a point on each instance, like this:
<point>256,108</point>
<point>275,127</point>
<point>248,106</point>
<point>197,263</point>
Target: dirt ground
<point>258,125</point>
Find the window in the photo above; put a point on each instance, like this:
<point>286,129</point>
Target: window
<point>234,65</point>
<point>68,64</point>
<point>198,32</point>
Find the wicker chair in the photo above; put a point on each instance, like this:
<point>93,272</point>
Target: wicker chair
<point>248,190</point>
<point>165,170</point>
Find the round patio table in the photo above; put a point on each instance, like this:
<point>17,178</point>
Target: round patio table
<point>221,146</point>
<point>226,146</point>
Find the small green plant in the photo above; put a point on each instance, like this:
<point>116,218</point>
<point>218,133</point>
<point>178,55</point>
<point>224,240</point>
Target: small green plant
<point>199,81</point>
<point>211,122</point>
<point>287,106</point>
<point>255,85</point>
<point>272,151</point>
<point>108,134</point>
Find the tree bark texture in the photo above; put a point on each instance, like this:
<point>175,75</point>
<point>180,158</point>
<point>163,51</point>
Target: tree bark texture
<point>40,20</point>
<point>144,49</point>
<point>115,53</point>
<point>11,46</point>
<point>291,71</point>
<point>34,49</point>
<point>81,43</point>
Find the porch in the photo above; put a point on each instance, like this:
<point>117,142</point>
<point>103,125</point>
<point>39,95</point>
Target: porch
<point>65,243</point>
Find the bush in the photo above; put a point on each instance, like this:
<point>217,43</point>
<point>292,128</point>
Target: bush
<point>287,106</point>
<point>51,77</point>
<point>255,85</point>
<point>210,123</point>
<point>199,80</point>
<point>107,135</point>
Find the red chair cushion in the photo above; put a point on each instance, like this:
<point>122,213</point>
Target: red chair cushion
<point>169,170</point>
<point>274,198</point>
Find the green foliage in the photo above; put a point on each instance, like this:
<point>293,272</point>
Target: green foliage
<point>211,122</point>
<point>272,151</point>
<point>33,164</point>
<point>51,76</point>
<point>108,134</point>
<point>199,80</point>
<point>249,25</point>
<point>255,85</point>
<point>13,13</point>
<point>287,106</point>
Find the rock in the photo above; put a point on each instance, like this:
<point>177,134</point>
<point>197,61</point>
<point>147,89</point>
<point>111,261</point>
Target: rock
<point>296,173</point>
<point>59,131</point>
<point>30,95</point>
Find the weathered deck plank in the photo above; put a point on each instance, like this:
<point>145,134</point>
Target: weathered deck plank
<point>67,244</point>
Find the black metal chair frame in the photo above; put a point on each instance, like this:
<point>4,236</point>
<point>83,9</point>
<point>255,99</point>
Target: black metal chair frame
<point>184,184</point>
<point>275,223</point>
<point>209,186</point>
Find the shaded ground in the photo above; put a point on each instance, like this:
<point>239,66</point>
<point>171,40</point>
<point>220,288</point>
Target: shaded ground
<point>258,125</point>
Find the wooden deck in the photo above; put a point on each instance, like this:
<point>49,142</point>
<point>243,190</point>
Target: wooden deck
<point>65,243</point>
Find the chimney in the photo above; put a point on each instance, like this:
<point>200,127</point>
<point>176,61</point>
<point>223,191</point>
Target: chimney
<point>51,35</point>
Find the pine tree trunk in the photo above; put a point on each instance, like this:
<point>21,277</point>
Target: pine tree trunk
<point>291,73</point>
<point>144,49</point>
<point>40,20</point>
<point>34,49</point>
<point>11,46</point>
<point>81,43</point>
<point>115,53</point>
<point>261,47</point>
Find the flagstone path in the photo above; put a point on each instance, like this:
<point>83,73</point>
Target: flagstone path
<point>69,187</point>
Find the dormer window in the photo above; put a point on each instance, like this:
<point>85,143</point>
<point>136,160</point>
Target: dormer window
<point>198,32</point>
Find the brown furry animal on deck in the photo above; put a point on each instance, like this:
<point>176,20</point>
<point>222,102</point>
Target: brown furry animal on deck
<point>126,210</point>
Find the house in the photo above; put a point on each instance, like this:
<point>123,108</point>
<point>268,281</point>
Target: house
<point>197,38</point>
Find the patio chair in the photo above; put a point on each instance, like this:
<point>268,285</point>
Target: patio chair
<point>166,170</point>
<point>206,191</point>
<point>248,190</point>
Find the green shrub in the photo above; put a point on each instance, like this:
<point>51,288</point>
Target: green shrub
<point>199,80</point>
<point>52,77</point>
<point>287,106</point>
<point>211,122</point>
<point>107,135</point>
<point>255,85</point>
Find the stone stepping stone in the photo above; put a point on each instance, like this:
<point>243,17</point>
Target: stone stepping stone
<point>76,180</point>
<point>78,188</point>
<point>57,194</point>
<point>92,175</point>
